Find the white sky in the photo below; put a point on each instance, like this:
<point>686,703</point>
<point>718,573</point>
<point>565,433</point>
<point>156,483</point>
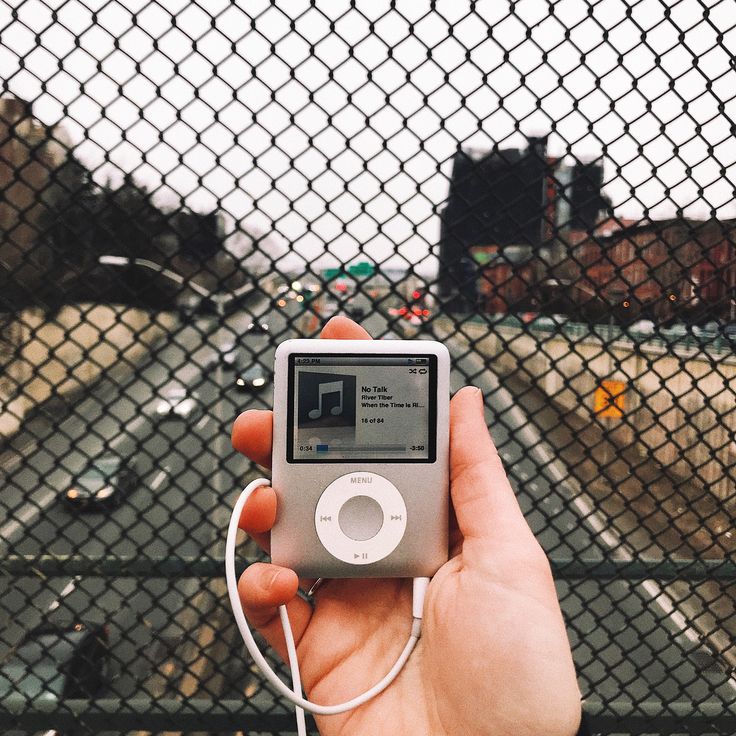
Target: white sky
<point>667,144</point>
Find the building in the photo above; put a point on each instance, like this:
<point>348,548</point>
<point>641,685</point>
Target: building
<point>627,270</point>
<point>505,278</point>
<point>29,153</point>
<point>510,197</point>
<point>665,269</point>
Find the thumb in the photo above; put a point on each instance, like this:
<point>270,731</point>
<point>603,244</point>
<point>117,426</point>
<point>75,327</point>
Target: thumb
<point>485,505</point>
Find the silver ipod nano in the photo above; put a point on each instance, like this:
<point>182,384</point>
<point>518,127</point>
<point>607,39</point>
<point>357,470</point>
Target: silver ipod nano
<point>361,457</point>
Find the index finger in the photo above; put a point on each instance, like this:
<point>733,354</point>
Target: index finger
<point>252,432</point>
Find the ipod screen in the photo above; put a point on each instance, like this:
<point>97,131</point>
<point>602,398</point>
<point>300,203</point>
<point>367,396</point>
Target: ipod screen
<point>369,408</point>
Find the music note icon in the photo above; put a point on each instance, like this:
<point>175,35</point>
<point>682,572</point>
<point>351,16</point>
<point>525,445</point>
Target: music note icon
<point>330,387</point>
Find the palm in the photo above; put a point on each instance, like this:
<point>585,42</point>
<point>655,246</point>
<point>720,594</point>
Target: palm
<point>354,637</point>
<point>359,628</point>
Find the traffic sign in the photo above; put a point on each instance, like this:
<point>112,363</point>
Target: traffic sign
<point>610,399</point>
<point>361,269</point>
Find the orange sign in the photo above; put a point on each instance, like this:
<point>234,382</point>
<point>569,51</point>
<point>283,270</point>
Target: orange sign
<point>609,399</point>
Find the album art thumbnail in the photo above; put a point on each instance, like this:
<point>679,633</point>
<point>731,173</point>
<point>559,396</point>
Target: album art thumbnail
<point>326,400</point>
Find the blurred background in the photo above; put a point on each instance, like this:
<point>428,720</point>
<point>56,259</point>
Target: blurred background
<point>545,186</point>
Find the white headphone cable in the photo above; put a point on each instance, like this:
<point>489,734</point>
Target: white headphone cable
<point>295,695</point>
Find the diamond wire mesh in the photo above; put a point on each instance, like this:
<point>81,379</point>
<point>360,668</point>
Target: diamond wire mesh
<point>545,187</point>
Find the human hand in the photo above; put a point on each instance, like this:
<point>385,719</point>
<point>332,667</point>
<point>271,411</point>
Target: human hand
<point>493,657</point>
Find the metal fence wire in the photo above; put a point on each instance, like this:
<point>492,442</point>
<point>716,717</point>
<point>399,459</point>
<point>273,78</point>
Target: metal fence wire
<point>545,187</point>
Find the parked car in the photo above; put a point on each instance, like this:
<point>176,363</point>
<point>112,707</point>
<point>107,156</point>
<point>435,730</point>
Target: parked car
<point>252,378</point>
<point>176,402</point>
<point>677,331</point>
<point>58,660</point>
<point>642,327</point>
<point>358,306</point>
<point>551,323</point>
<point>707,332</point>
<point>104,483</point>
<point>327,309</point>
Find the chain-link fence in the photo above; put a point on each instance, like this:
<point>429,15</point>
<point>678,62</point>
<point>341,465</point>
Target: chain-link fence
<point>546,187</point>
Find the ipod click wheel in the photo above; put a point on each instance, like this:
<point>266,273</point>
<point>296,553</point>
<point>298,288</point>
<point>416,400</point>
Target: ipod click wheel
<point>360,518</point>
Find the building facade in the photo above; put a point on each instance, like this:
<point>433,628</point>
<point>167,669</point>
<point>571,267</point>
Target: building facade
<point>678,268</point>
<point>511,197</point>
<point>29,154</point>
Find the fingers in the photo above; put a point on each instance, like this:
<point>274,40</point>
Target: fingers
<point>253,435</point>
<point>342,328</point>
<point>257,518</point>
<point>263,588</point>
<point>485,505</point>
<point>259,515</point>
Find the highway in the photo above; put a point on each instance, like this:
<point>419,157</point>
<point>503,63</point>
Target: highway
<point>631,641</point>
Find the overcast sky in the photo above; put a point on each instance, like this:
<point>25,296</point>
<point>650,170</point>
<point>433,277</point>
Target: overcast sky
<point>229,93</point>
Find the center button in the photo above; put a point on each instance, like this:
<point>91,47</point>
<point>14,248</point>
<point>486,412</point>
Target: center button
<point>360,518</point>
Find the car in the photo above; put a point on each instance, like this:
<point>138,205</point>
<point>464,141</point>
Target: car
<point>288,296</point>
<point>327,309</point>
<point>226,356</point>
<point>258,328</point>
<point>707,332</point>
<point>253,378</point>
<point>358,306</point>
<point>61,659</point>
<point>354,310</point>
<point>677,330</point>
<point>548,323</point>
<point>189,306</point>
<point>414,315</point>
<point>176,402</point>
<point>104,483</point>
<point>643,327</point>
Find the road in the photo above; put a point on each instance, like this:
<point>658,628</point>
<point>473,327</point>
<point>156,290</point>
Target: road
<point>631,641</point>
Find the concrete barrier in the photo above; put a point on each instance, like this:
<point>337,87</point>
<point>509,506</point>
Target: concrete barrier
<point>43,359</point>
<point>679,404</point>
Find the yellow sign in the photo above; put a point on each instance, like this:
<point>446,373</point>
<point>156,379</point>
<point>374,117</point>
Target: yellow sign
<point>609,399</point>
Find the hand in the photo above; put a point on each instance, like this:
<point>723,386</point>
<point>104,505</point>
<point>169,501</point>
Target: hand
<point>494,656</point>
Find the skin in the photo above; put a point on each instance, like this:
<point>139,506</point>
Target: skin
<point>494,657</point>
